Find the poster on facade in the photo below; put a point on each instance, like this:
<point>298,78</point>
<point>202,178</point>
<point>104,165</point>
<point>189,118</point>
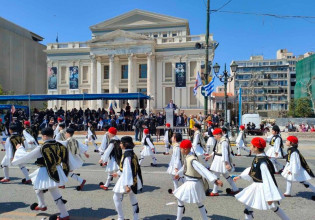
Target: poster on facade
<point>52,78</point>
<point>180,75</point>
<point>74,77</point>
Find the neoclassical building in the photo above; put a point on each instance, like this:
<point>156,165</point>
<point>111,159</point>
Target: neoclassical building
<point>134,52</point>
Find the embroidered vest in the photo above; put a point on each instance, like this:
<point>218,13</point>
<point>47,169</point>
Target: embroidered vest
<point>73,146</point>
<point>145,140</point>
<point>54,154</point>
<point>255,171</point>
<point>116,152</point>
<point>189,169</point>
<point>16,139</point>
<point>302,159</point>
<point>135,168</point>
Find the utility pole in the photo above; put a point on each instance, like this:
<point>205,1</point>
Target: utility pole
<point>207,57</point>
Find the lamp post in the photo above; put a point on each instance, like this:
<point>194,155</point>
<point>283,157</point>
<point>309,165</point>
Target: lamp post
<point>225,78</point>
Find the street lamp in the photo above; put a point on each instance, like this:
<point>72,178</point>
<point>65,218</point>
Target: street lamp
<point>225,78</point>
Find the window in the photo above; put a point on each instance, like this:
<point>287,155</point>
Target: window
<point>106,72</point>
<point>168,71</point>
<point>168,95</point>
<point>123,103</point>
<point>143,71</point>
<point>164,34</point>
<point>124,71</point>
<point>63,74</point>
<point>85,74</point>
<point>193,67</point>
<point>155,35</point>
<point>174,34</point>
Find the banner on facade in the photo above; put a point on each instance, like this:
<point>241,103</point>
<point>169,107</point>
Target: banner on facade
<point>74,77</point>
<point>180,75</point>
<point>52,78</point>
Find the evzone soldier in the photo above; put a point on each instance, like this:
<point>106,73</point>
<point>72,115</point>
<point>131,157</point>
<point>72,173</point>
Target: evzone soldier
<point>176,161</point>
<point>56,131</point>
<point>222,162</point>
<point>241,143</point>
<point>296,168</point>
<point>148,148</point>
<point>75,150</point>
<point>10,151</point>
<point>52,160</point>
<point>111,157</point>
<point>3,134</point>
<point>168,138</point>
<point>91,136</point>
<point>130,178</point>
<point>211,141</point>
<point>193,190</point>
<point>199,144</point>
<point>275,150</point>
<point>105,141</point>
<point>30,141</point>
<point>61,136</point>
<point>263,193</point>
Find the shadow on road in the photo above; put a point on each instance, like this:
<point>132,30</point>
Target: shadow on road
<point>221,217</point>
<point>88,164</point>
<point>89,212</point>
<point>11,206</point>
<point>165,217</point>
<point>305,195</point>
<point>147,188</point>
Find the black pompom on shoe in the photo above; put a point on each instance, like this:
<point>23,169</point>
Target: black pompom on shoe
<point>23,180</point>
<point>228,190</point>
<point>170,191</point>
<point>101,183</point>
<point>33,206</point>
<point>313,198</point>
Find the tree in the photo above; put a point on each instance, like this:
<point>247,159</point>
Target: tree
<point>307,88</point>
<point>303,107</point>
<point>292,107</point>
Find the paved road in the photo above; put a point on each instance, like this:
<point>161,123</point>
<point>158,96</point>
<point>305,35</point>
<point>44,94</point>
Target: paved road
<point>155,202</point>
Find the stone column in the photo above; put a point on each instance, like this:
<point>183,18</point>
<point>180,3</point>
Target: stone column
<point>99,81</point>
<point>116,79</point>
<point>111,74</point>
<point>131,81</point>
<point>93,77</point>
<point>151,81</point>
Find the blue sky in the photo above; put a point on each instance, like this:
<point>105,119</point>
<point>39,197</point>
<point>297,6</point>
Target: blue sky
<point>240,36</point>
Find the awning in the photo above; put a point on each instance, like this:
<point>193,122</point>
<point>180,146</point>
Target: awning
<point>113,96</point>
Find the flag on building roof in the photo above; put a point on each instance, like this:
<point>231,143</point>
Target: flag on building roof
<point>209,88</point>
<point>197,83</point>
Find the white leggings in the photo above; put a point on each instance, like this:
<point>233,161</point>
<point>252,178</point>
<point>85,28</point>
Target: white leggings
<point>305,183</point>
<point>93,142</point>
<point>118,198</point>
<point>181,210</point>
<point>23,169</point>
<point>249,213</point>
<point>58,200</point>
<point>228,178</point>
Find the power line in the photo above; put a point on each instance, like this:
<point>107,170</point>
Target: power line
<point>225,4</point>
<point>265,14</point>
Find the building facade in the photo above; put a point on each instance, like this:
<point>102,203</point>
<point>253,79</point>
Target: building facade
<point>305,78</point>
<point>22,60</point>
<point>138,51</point>
<point>266,85</point>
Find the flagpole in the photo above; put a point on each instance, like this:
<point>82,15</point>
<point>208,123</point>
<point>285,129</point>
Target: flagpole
<point>207,57</point>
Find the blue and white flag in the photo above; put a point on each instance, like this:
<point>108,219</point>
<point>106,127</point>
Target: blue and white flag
<point>209,88</point>
<point>197,83</point>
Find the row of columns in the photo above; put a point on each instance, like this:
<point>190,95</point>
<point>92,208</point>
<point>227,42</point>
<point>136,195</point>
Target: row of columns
<point>115,70</point>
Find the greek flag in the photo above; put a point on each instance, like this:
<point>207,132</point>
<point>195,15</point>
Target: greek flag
<point>197,83</point>
<point>209,88</point>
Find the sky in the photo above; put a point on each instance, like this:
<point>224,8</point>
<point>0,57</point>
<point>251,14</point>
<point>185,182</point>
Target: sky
<point>240,36</point>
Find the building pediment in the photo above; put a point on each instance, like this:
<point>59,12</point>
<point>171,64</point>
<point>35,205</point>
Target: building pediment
<point>138,19</point>
<point>119,37</point>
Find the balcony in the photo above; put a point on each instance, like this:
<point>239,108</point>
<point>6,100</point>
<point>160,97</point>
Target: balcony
<point>69,45</point>
<point>183,39</point>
